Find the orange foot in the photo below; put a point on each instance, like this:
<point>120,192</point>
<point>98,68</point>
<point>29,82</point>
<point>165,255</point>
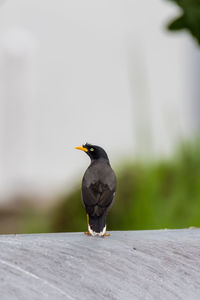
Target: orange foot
<point>106,234</point>
<point>87,233</point>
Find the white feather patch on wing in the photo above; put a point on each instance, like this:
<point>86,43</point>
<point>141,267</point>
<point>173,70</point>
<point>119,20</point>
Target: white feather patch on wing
<point>93,233</point>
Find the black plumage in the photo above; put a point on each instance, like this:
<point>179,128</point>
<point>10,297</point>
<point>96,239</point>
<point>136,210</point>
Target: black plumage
<point>98,188</point>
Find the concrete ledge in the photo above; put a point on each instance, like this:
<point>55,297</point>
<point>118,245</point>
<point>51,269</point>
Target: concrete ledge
<point>162,264</point>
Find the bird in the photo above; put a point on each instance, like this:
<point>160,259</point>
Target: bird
<point>98,189</point>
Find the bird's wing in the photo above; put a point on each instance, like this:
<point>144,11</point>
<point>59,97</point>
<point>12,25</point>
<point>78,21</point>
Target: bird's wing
<point>97,197</point>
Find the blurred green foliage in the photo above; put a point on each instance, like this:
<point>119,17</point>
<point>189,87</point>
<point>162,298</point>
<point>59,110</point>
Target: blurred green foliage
<point>150,195</point>
<point>189,18</point>
<point>162,194</point>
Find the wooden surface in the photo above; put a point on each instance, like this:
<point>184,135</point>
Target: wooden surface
<point>162,264</point>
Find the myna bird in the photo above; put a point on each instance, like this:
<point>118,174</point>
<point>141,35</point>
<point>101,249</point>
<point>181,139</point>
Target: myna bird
<point>98,189</point>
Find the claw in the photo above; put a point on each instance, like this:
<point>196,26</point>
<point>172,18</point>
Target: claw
<point>87,233</point>
<point>106,234</point>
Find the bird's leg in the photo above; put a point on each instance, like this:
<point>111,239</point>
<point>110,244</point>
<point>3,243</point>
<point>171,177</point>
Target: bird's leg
<point>87,232</point>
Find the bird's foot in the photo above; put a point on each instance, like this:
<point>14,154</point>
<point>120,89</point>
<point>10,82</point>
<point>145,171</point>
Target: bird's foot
<point>106,234</point>
<point>87,233</point>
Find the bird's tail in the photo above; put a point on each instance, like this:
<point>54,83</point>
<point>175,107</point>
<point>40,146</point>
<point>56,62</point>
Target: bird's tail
<point>97,225</point>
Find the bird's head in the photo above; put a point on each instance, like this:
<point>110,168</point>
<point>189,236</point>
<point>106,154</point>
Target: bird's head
<point>93,151</point>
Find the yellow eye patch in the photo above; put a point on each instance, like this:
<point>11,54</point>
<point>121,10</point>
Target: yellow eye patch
<point>91,149</point>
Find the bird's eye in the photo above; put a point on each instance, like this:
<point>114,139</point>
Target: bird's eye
<point>91,149</point>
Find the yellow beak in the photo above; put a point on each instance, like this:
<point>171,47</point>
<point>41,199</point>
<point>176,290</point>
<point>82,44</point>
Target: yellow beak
<point>81,148</point>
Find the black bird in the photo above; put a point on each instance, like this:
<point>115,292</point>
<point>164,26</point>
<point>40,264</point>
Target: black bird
<point>98,189</point>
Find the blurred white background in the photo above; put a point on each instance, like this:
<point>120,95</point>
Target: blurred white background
<point>90,71</point>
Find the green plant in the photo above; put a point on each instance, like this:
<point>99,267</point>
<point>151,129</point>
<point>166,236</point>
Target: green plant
<point>162,194</point>
<point>189,18</point>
